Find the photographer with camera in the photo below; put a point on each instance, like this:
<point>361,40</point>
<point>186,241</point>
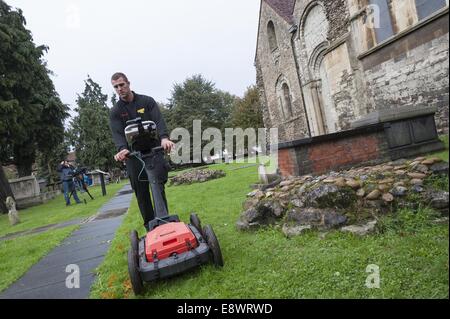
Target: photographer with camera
<point>129,107</point>
<point>66,173</point>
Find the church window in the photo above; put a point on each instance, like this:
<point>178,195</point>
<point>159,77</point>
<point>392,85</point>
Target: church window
<point>273,44</point>
<point>287,100</point>
<point>383,29</point>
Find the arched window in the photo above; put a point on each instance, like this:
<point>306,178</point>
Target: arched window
<point>315,27</point>
<point>287,100</point>
<point>273,44</point>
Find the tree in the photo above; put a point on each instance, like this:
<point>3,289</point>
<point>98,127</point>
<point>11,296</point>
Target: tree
<point>31,113</point>
<point>90,132</point>
<point>247,112</point>
<point>198,99</point>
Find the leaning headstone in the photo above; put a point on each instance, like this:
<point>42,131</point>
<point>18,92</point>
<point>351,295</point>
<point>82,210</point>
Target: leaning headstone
<point>13,214</point>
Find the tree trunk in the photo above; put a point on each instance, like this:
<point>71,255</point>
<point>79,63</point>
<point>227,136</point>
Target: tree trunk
<point>23,170</point>
<point>5,191</point>
<point>24,157</point>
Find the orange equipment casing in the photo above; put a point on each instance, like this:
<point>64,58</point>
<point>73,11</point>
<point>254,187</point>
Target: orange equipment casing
<point>168,239</point>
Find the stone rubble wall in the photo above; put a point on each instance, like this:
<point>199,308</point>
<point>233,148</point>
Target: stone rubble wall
<point>350,200</point>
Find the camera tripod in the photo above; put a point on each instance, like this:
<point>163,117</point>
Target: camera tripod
<point>77,181</point>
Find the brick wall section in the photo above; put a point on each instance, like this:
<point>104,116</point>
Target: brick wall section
<point>337,153</point>
<point>286,162</point>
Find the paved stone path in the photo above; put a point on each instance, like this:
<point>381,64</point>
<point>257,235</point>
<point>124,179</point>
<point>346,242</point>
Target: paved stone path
<point>85,248</point>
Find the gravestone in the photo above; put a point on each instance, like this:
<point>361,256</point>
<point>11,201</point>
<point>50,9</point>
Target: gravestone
<point>27,192</point>
<point>25,187</point>
<point>13,214</point>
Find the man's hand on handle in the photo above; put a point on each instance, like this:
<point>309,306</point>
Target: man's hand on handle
<point>167,144</point>
<point>122,155</point>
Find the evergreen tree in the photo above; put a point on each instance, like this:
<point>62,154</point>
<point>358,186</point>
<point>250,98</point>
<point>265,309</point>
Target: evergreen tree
<point>31,113</point>
<point>90,132</point>
<point>198,99</point>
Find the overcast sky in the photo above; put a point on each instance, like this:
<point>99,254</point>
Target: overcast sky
<point>156,43</point>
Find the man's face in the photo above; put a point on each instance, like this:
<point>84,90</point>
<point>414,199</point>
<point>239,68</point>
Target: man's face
<point>122,88</point>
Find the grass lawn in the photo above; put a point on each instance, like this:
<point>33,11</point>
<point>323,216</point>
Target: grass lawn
<point>55,210</point>
<point>19,254</point>
<point>413,262</point>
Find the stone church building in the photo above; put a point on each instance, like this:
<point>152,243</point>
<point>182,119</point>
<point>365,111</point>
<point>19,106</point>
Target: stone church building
<point>322,64</point>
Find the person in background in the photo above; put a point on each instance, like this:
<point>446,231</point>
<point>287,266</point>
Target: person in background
<point>65,171</point>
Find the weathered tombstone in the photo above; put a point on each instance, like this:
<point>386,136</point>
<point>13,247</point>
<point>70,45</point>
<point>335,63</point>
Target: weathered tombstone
<point>263,179</point>
<point>13,214</point>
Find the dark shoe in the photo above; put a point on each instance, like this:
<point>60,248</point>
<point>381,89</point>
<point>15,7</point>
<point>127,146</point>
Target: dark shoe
<point>67,204</point>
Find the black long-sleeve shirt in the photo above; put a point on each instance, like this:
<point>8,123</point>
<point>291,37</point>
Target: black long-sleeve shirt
<point>142,106</point>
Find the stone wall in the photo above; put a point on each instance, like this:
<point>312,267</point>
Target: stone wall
<point>278,67</point>
<point>412,71</point>
<point>338,15</point>
<point>338,69</point>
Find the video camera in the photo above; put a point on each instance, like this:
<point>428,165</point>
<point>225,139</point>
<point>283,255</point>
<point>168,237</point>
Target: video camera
<point>79,171</point>
<point>142,136</point>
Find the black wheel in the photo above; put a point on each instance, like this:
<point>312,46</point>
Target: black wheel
<point>213,244</point>
<point>195,221</point>
<point>134,241</point>
<point>133,271</point>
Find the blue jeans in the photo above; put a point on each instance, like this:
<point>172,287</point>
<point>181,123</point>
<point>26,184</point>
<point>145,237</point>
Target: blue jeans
<point>68,187</point>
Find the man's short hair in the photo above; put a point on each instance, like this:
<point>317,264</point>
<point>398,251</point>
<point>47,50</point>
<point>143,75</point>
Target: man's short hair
<point>119,75</point>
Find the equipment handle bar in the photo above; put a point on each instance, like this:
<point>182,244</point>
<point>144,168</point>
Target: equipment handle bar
<point>139,154</point>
